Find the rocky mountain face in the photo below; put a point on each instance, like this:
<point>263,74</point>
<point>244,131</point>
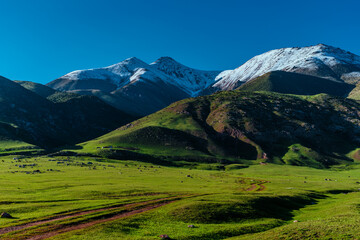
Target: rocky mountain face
<point>190,80</point>
<point>139,88</point>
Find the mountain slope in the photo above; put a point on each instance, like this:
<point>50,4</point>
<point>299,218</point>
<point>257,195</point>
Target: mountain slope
<point>295,83</point>
<point>321,61</point>
<point>136,87</point>
<point>29,118</point>
<point>37,88</point>
<point>311,130</point>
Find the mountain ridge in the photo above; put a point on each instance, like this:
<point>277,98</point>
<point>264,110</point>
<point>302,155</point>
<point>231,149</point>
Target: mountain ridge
<point>132,85</point>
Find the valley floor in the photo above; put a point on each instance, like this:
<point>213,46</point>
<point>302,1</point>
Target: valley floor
<point>97,198</point>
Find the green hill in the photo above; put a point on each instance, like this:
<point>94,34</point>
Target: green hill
<point>295,83</point>
<point>239,126</point>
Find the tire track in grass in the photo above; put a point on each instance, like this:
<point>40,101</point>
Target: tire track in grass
<point>67,216</point>
<point>92,223</point>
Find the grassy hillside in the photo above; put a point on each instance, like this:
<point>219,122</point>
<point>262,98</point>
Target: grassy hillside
<point>295,83</point>
<point>355,93</point>
<point>315,131</point>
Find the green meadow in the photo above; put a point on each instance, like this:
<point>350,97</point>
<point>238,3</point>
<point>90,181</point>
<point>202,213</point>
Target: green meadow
<point>237,202</point>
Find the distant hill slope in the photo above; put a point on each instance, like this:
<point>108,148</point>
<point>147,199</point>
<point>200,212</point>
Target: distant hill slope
<point>315,130</point>
<point>295,83</point>
<point>30,118</point>
<point>40,89</point>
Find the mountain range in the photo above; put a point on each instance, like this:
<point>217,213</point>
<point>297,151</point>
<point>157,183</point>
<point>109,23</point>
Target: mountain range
<point>138,88</point>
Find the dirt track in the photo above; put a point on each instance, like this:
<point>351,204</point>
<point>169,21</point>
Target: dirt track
<point>90,223</point>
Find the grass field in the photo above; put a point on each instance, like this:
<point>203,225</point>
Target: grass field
<point>97,198</point>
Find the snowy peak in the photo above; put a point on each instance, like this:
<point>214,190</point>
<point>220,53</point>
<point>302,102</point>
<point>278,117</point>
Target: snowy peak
<point>320,60</point>
<point>189,79</point>
<point>128,65</point>
<point>118,74</point>
<point>166,61</point>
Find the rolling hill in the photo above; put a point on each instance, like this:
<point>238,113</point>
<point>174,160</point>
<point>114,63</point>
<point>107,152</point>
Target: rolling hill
<point>315,130</point>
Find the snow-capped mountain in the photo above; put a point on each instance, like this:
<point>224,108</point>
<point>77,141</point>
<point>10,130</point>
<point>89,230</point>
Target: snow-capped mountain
<point>132,70</point>
<point>319,60</point>
<point>137,87</point>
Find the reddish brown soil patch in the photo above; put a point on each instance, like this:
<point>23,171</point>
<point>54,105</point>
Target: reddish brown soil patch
<point>261,188</point>
<point>252,188</point>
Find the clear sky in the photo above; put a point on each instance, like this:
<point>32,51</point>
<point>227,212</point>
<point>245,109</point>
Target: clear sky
<point>42,40</point>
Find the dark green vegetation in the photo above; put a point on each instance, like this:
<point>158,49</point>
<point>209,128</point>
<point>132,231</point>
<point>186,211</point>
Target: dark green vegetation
<point>296,83</point>
<point>33,114</point>
<point>238,126</point>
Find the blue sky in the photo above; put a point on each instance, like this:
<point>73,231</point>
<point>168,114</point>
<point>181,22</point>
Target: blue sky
<point>42,40</point>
